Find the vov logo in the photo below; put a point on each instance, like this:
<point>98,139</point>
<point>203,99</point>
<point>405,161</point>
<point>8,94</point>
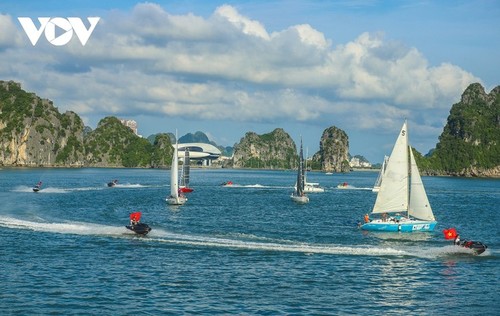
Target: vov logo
<point>64,28</point>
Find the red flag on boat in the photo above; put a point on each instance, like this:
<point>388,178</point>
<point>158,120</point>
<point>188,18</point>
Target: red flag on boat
<point>135,216</point>
<point>450,233</point>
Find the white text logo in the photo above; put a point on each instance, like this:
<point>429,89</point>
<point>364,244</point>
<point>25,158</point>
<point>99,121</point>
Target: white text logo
<point>64,28</point>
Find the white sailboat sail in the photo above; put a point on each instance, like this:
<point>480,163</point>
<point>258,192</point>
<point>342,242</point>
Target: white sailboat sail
<point>419,203</point>
<point>175,198</point>
<point>376,187</point>
<point>174,175</point>
<point>393,194</point>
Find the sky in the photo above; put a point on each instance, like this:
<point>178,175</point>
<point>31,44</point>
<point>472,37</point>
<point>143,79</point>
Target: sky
<point>231,67</point>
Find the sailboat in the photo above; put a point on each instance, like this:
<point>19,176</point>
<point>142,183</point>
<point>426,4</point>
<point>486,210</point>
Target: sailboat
<point>298,195</point>
<point>376,187</point>
<point>176,197</point>
<point>311,187</point>
<point>184,186</point>
<point>399,195</point>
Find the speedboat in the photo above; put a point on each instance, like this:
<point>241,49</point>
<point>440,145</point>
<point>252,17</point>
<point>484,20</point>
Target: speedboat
<point>227,183</point>
<point>477,247</point>
<point>37,187</point>
<point>139,228</point>
<point>343,185</point>
<point>112,183</point>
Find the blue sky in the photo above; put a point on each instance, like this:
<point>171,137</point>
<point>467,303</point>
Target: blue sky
<point>229,67</point>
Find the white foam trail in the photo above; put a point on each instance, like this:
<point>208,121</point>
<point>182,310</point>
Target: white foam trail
<point>130,185</point>
<point>163,236</point>
<point>254,186</point>
<point>78,228</point>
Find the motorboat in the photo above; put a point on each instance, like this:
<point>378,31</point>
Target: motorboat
<point>137,227</point>
<point>140,228</point>
<point>112,183</point>
<point>37,187</point>
<point>477,247</point>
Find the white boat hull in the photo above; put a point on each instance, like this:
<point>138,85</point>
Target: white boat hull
<point>313,188</point>
<point>180,200</point>
<point>300,199</point>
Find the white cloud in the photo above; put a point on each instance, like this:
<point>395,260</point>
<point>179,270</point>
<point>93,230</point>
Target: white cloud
<point>229,67</point>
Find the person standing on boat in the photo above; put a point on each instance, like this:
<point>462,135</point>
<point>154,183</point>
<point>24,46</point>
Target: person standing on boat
<point>367,218</point>
<point>456,241</point>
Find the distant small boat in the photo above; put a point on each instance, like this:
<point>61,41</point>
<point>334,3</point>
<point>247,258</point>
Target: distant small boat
<point>298,195</point>
<point>329,173</point>
<point>112,183</point>
<point>343,185</point>
<point>313,187</point>
<point>227,183</point>
<point>37,187</point>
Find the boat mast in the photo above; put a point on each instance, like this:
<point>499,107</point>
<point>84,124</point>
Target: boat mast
<point>408,182</point>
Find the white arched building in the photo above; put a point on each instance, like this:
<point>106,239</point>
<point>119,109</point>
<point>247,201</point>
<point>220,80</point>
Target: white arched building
<point>200,151</point>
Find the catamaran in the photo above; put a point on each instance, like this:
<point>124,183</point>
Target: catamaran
<point>404,199</point>
<point>376,187</point>
<point>298,195</point>
<point>176,197</point>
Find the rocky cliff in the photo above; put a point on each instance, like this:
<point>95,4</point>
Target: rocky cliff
<point>34,133</point>
<point>470,142</point>
<point>113,144</point>
<point>272,150</point>
<point>333,154</point>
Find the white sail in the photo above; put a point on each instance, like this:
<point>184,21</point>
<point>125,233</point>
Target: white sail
<point>175,198</point>
<point>376,187</point>
<point>419,203</point>
<point>393,194</point>
<point>174,176</point>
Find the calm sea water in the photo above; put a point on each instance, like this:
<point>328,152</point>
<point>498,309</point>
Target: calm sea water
<point>246,249</point>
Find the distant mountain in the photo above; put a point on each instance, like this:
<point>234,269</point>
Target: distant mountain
<point>470,142</point>
<point>198,137</point>
<point>275,150</point>
<point>34,133</point>
<point>333,154</point>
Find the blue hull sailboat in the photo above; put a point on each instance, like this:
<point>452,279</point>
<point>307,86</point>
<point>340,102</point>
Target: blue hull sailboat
<point>401,201</point>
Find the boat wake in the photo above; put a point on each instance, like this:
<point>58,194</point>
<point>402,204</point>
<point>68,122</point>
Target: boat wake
<point>159,235</point>
<point>27,189</point>
<point>130,185</point>
<point>254,186</point>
